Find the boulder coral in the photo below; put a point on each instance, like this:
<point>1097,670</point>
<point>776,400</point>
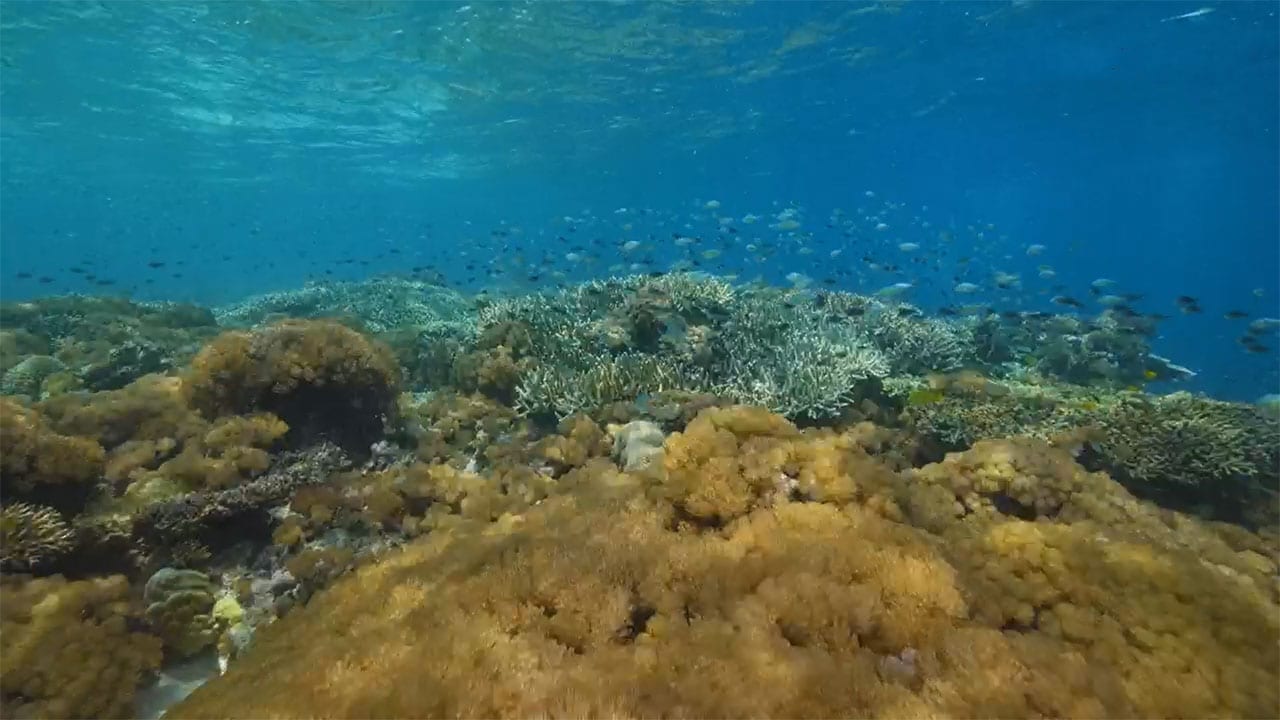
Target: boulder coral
<point>180,608</point>
<point>70,649</point>
<point>324,379</point>
<point>765,571</point>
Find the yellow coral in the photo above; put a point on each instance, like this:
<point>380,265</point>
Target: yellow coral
<point>68,649</point>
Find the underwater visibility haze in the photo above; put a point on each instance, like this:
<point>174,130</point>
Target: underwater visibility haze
<point>417,359</point>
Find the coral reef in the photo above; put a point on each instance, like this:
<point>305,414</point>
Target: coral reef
<point>591,346</point>
<point>378,305</point>
<point>99,343</point>
<point>648,496</point>
<point>323,379</point>
<point>70,650</point>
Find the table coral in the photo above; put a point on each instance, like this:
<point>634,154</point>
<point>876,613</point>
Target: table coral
<point>70,650</point>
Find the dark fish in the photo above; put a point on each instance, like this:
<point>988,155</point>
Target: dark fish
<point>155,264</point>
<point>1235,314</point>
<point>1067,301</point>
<point>23,276</point>
<point>44,280</point>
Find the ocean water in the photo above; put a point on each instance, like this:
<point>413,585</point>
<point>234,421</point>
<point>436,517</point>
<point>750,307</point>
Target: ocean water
<point>1132,146</point>
<point>1101,175</point>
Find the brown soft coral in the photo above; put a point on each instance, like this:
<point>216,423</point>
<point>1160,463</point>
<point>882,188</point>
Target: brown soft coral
<point>322,378</point>
<point>730,460</point>
<point>1189,621</point>
<point>590,605</point>
<point>69,650</point>
<point>35,457</point>
<point>801,590</point>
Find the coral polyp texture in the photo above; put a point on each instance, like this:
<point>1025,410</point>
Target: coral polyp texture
<point>761,570</point>
<point>322,378</point>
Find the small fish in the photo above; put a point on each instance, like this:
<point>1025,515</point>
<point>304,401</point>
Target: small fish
<point>908,246</point>
<point>1235,315</point>
<point>1188,15</point>
<point>1034,250</point>
<point>966,288</point>
<point>894,289</point>
<point>1067,301</point>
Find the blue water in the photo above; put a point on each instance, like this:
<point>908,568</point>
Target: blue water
<point>251,146</point>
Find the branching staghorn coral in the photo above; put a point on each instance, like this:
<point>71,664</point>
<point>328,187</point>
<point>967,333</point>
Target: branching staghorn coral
<point>31,536</point>
<point>916,344</point>
<point>616,340</point>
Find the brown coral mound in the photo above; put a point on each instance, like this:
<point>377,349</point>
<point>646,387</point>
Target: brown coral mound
<point>324,379</point>
<point>37,462</point>
<point>762,571</point>
<point>68,649</point>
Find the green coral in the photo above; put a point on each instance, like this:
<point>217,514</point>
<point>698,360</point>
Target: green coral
<point>180,606</point>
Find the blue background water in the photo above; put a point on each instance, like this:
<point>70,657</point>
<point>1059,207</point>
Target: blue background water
<point>285,137</point>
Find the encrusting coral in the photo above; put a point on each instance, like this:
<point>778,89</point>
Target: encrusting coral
<point>765,571</point>
<point>323,379</point>
<point>70,650</point>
